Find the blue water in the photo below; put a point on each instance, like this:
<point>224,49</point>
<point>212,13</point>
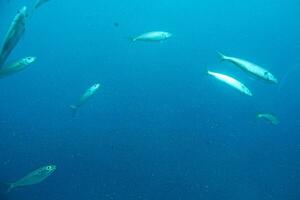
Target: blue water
<point>159,128</point>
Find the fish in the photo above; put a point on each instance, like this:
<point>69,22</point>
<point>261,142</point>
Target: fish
<point>269,117</point>
<point>251,68</point>
<point>154,36</point>
<point>40,3</point>
<point>232,82</point>
<point>86,96</point>
<point>14,34</point>
<point>16,66</point>
<point>34,177</point>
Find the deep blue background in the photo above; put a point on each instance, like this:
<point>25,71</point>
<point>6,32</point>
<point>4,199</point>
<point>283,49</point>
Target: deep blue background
<point>159,128</point>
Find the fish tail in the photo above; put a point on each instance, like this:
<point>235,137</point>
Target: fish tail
<point>223,57</point>
<point>208,72</point>
<point>2,61</point>
<point>9,188</point>
<point>74,109</point>
<point>130,38</point>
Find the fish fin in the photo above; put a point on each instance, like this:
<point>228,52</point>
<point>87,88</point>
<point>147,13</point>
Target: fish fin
<point>2,62</point>
<point>223,57</point>
<point>207,71</point>
<point>132,39</point>
<point>74,109</point>
<point>10,187</point>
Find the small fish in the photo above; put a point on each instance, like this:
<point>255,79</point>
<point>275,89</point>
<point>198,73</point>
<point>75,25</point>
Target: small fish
<point>251,68</point>
<point>116,24</point>
<point>16,66</point>
<point>34,177</point>
<point>232,82</point>
<point>14,34</point>
<point>86,96</point>
<point>269,117</point>
<point>154,36</point>
<point>39,3</point>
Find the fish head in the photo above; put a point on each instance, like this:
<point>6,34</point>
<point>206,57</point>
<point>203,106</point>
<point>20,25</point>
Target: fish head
<point>166,35</point>
<point>46,170</point>
<point>95,86</point>
<point>28,60</point>
<point>49,169</point>
<point>246,90</point>
<point>270,77</point>
<point>23,12</point>
<point>21,16</point>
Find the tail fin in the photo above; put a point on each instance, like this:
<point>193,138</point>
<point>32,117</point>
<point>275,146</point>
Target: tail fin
<point>2,61</point>
<point>74,110</point>
<point>223,57</point>
<point>9,188</point>
<point>130,39</point>
<point>258,115</point>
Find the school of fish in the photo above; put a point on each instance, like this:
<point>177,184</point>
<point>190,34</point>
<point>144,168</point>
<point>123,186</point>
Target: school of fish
<point>17,29</point>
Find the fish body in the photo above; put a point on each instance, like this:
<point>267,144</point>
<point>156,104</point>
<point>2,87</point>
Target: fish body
<point>34,177</point>
<point>251,68</point>
<point>269,117</point>
<point>16,66</point>
<point>86,96</point>
<point>154,36</point>
<point>232,82</point>
<point>14,34</point>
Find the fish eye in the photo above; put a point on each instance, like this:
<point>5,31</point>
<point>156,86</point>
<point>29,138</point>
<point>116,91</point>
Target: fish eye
<point>49,168</point>
<point>266,73</point>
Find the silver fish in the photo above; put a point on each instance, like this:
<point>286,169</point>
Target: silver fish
<point>232,82</point>
<point>251,68</point>
<point>34,177</point>
<point>269,117</point>
<point>86,96</point>
<point>16,66</point>
<point>154,36</point>
<point>14,34</point>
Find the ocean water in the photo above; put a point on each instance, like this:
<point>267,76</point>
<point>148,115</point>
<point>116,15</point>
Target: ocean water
<point>159,128</point>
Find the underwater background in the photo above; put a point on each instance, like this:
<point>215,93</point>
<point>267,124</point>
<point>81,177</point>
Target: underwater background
<point>159,128</point>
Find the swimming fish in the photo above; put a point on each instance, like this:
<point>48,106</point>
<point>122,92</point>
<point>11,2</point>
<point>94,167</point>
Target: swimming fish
<point>251,68</point>
<point>269,117</point>
<point>14,34</point>
<point>232,82</point>
<point>154,36</point>
<point>16,66</point>
<point>86,96</point>
<point>34,177</point>
<point>39,3</point>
